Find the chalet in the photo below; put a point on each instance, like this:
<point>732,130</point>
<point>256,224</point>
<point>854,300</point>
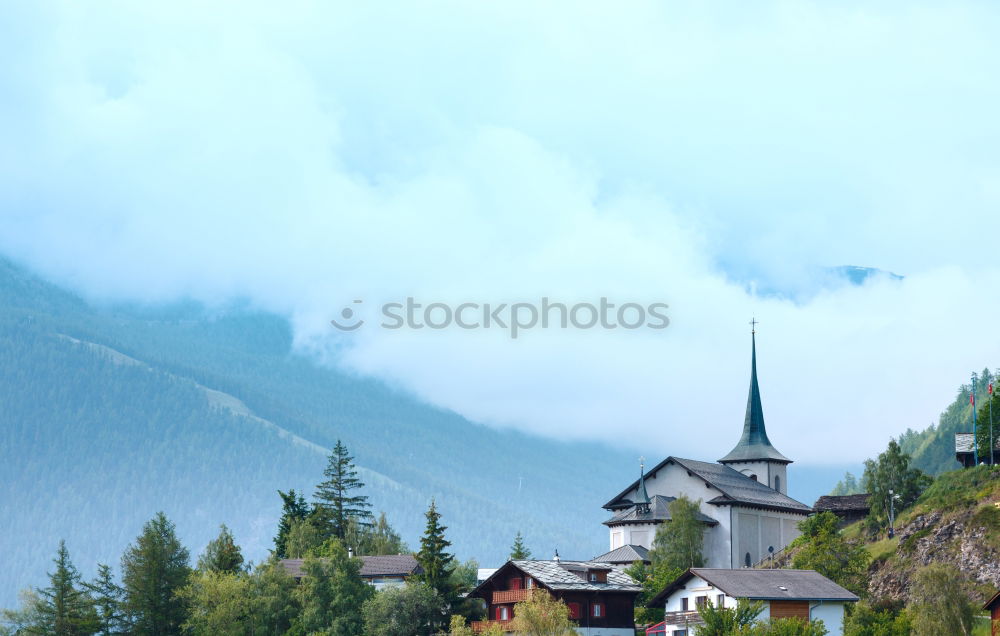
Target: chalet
<point>600,596</point>
<point>785,593</point>
<point>745,506</point>
<point>993,607</point>
<point>963,450</point>
<point>378,571</point>
<point>849,508</point>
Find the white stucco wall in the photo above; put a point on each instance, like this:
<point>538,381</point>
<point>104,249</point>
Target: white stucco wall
<point>765,472</point>
<point>755,530</point>
<point>832,615</point>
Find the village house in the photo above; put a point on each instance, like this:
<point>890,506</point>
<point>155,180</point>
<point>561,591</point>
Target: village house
<point>378,571</point>
<point>785,593</point>
<point>849,508</point>
<point>600,596</point>
<point>993,607</point>
<point>745,506</point>
<point>963,451</point>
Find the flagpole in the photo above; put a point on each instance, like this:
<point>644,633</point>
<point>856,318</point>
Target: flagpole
<point>975,442</point>
<point>990,403</point>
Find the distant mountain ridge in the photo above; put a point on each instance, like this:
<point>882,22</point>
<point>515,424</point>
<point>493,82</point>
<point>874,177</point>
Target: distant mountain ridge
<point>110,415</point>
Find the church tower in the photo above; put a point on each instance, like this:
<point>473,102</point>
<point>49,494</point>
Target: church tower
<point>754,456</point>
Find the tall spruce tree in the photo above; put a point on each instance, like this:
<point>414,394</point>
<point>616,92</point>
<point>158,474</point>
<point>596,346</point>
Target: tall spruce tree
<point>64,608</point>
<point>107,597</point>
<point>335,503</point>
<point>519,551</point>
<point>293,509</point>
<point>436,563</point>
<point>222,554</point>
<point>154,568</point>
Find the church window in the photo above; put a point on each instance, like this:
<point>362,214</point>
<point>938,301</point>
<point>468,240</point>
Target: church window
<point>746,560</point>
<point>752,476</point>
<point>777,483</point>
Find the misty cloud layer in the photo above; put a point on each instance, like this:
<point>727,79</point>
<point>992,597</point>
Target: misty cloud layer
<point>303,156</point>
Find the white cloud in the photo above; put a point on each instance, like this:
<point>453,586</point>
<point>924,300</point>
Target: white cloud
<point>305,156</point>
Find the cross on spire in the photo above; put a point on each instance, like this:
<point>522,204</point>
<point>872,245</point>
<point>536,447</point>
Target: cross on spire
<point>753,325</point>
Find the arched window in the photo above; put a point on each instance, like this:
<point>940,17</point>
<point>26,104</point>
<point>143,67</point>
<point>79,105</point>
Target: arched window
<point>777,483</point>
<point>752,476</point>
<point>746,560</point>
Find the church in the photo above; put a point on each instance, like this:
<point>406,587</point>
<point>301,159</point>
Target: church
<point>745,506</point>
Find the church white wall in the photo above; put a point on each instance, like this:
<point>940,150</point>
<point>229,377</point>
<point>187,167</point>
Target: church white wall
<point>633,534</point>
<point>766,473</point>
<point>755,530</point>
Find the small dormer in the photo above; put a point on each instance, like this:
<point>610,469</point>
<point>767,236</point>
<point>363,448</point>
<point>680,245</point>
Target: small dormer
<point>597,575</point>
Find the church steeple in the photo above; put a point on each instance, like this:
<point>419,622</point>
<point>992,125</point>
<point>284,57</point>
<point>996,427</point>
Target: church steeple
<point>642,498</point>
<point>754,445</point>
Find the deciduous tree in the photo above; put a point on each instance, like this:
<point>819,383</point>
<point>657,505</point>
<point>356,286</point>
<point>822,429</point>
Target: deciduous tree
<point>939,602</point>
<point>542,615</point>
<point>331,595</point>
<point>678,542</point>
<point>222,554</point>
<point>891,471</point>
<point>409,610</point>
<point>824,549</point>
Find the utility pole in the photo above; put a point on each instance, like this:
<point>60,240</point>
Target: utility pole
<point>892,513</point>
<point>975,442</point>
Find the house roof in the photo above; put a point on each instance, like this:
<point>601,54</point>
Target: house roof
<point>993,601</point>
<point>568,576</point>
<point>762,585</point>
<point>842,503</point>
<point>963,443</point>
<point>754,444</point>
<point>626,554</point>
<point>386,565</point>
<point>658,511</point>
<point>736,488</point>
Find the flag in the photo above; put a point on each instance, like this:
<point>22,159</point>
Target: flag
<point>990,390</point>
<point>972,399</point>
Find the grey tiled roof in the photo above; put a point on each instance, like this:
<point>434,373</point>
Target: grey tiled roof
<point>388,565</point>
<point>963,443</point>
<point>838,503</point>
<point>659,510</point>
<point>625,554</point>
<point>737,488</point>
<point>763,585</point>
<point>560,575</point>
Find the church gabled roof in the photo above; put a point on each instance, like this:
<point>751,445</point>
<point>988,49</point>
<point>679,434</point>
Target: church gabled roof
<point>754,445</point>
<point>657,511</point>
<point>735,488</point>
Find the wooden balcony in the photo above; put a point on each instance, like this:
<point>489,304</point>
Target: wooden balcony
<point>510,596</point>
<point>481,626</point>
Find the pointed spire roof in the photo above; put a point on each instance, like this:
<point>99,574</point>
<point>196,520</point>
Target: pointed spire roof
<point>642,498</point>
<point>754,445</point>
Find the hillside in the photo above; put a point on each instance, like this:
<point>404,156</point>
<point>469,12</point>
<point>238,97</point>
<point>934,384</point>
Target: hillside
<point>957,522</point>
<point>933,449</point>
<point>110,414</point>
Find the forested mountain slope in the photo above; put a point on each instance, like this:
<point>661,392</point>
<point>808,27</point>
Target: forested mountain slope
<point>933,449</point>
<point>109,415</point>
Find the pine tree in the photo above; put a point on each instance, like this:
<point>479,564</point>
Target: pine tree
<point>153,570</point>
<point>437,565</point>
<point>64,608</point>
<point>222,554</point>
<point>518,551</point>
<point>335,503</point>
<point>294,508</point>
<point>107,597</point>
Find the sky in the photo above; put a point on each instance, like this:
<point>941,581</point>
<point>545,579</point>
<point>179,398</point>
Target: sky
<point>714,157</point>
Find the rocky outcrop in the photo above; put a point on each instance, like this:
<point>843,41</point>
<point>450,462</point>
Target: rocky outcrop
<point>960,539</point>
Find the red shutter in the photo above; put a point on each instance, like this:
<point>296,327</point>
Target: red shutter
<point>514,583</point>
<point>574,610</point>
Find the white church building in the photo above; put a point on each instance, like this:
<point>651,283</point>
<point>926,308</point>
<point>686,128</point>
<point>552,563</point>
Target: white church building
<point>744,502</point>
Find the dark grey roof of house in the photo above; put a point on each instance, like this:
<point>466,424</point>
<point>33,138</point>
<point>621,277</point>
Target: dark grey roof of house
<point>566,576</point>
<point>963,443</point>
<point>571,575</point>
<point>754,444</point>
<point>842,503</point>
<point>659,511</point>
<point>763,585</point>
<point>736,487</point>
<point>625,554</point>
<point>387,565</point>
